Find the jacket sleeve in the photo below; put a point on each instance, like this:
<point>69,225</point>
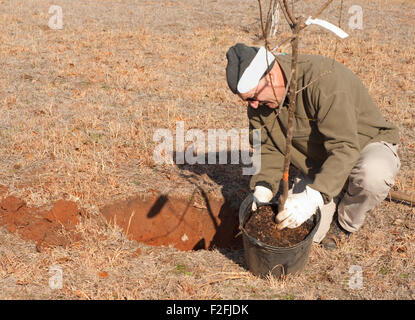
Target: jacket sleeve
<point>272,160</point>
<point>336,121</point>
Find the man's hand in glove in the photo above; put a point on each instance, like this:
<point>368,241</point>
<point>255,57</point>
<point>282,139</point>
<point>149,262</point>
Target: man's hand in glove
<point>261,195</point>
<point>299,207</point>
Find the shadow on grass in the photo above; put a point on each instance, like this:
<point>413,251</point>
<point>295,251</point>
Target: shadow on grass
<point>234,188</point>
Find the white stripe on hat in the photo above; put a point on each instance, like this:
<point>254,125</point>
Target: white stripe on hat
<point>253,73</point>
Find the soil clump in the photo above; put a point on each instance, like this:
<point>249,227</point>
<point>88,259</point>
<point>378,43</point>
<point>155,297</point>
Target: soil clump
<point>54,227</point>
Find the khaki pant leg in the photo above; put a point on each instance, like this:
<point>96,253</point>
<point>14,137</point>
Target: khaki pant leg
<point>327,211</point>
<point>369,183</point>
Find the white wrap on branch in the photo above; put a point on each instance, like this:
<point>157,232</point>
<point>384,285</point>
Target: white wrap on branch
<point>329,26</point>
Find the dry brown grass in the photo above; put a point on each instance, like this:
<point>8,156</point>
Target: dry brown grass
<point>78,109</point>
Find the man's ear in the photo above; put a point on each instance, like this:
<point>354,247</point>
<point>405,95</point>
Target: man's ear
<point>274,74</point>
<point>269,77</point>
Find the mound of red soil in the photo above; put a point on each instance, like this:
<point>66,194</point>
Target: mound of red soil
<point>43,226</point>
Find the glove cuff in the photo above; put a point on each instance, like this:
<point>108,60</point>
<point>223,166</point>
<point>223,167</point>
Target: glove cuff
<point>263,194</point>
<point>264,184</point>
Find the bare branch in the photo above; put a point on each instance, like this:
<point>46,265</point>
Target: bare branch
<point>267,22</point>
<point>266,42</point>
<point>323,7</point>
<point>264,35</point>
<point>400,196</point>
<point>318,78</point>
<point>297,24</point>
<point>290,124</point>
<point>319,12</point>
<point>285,14</point>
<point>285,91</point>
<point>292,19</point>
<point>283,44</point>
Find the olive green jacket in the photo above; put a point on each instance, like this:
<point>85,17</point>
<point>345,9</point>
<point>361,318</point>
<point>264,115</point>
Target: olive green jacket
<point>335,117</point>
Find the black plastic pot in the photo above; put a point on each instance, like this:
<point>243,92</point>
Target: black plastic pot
<point>263,259</point>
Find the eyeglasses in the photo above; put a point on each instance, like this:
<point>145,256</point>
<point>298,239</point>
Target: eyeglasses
<point>266,102</point>
<point>252,99</point>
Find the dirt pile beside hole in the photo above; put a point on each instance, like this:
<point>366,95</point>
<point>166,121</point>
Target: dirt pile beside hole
<point>40,225</point>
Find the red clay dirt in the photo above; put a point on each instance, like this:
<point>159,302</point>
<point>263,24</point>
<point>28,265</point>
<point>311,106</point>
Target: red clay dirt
<point>162,220</point>
<point>158,220</point>
<point>40,225</point>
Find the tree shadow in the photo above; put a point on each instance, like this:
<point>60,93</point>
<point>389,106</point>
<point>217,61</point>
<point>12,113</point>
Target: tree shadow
<point>234,188</point>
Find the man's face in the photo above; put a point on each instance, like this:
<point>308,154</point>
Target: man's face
<point>261,94</point>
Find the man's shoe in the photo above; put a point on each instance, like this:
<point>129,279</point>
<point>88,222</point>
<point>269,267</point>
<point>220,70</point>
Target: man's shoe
<point>333,236</point>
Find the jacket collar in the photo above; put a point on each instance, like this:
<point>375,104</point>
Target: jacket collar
<point>285,64</point>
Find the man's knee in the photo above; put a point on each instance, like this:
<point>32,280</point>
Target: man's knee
<point>374,176</point>
<point>376,173</point>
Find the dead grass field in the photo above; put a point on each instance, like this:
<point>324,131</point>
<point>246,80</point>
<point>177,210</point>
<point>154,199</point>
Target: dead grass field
<point>78,109</point>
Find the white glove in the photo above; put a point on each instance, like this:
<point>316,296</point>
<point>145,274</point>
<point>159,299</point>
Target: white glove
<point>299,207</point>
<point>261,195</point>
